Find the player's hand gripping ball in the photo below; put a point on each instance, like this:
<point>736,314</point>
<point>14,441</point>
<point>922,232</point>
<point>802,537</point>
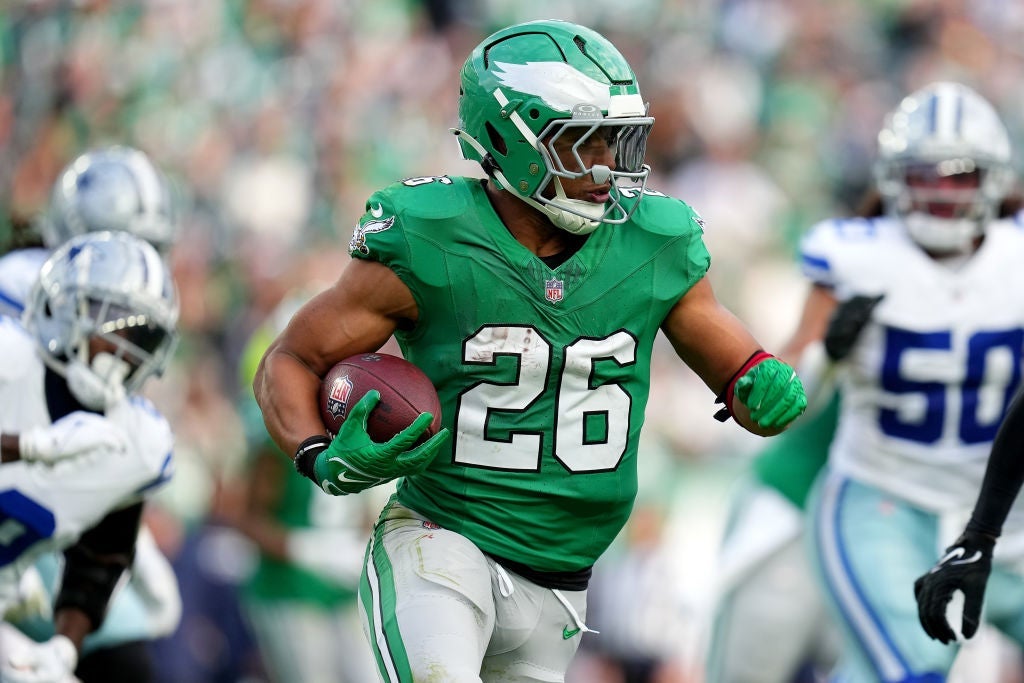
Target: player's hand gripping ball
<point>405,392</point>
<point>385,419</point>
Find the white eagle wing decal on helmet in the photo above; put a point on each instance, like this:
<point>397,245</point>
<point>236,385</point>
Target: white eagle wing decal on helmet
<point>560,85</point>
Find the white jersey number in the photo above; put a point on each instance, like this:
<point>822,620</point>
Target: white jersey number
<point>577,404</point>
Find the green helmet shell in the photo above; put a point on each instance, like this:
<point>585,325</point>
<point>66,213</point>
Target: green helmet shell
<point>520,79</point>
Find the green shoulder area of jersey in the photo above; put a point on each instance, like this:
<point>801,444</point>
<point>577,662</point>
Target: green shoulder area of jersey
<point>427,197</point>
<point>449,212</point>
<point>409,225</point>
<point>661,214</point>
<point>440,197</point>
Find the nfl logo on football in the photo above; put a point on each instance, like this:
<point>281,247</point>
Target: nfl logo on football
<point>337,401</point>
<point>553,290</point>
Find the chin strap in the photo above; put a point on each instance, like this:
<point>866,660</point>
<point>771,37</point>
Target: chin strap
<point>566,220</point>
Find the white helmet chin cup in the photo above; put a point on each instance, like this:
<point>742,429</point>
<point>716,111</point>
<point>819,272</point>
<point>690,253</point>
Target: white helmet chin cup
<point>573,215</point>
<point>100,384</point>
<point>571,222</point>
<point>942,235</point>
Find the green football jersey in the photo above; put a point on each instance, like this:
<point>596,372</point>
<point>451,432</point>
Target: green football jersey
<point>543,373</point>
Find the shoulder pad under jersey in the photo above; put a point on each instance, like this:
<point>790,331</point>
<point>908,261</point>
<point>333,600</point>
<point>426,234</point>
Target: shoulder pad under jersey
<point>398,207</point>
<point>425,197</point>
<point>19,270</point>
<point>837,240</point>
<point>660,213</point>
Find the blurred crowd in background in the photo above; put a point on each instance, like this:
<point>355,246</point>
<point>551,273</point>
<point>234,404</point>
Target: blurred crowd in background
<point>275,119</point>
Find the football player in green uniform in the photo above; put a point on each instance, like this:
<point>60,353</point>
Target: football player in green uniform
<point>531,298</point>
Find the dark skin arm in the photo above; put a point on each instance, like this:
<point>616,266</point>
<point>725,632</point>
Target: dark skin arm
<point>818,308</point>
<point>10,448</point>
<point>713,342</point>
<point>357,314</point>
<point>247,506</point>
<point>73,623</point>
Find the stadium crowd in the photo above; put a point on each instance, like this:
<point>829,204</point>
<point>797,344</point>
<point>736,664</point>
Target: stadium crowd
<point>275,119</point>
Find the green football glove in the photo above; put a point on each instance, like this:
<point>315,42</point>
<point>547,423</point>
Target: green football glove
<point>354,462</point>
<point>772,393</point>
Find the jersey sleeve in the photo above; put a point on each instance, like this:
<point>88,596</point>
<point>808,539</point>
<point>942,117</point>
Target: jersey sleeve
<point>670,221</point>
<point>818,254</point>
<point>379,235</point>
<point>151,463</point>
<point>851,255</point>
<point>18,272</point>
<point>698,258</point>
<point>17,349</point>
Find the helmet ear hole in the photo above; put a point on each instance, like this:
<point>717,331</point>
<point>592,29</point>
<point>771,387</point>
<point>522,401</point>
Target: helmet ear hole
<point>497,142</point>
<point>534,114</point>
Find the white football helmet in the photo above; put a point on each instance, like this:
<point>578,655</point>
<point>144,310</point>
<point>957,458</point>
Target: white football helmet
<point>944,166</point>
<point>114,188</point>
<point>103,313</point>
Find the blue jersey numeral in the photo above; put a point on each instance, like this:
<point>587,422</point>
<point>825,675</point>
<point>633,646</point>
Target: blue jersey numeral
<point>23,521</point>
<point>971,429</point>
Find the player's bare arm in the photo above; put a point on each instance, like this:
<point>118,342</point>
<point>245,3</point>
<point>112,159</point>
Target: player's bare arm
<point>358,313</point>
<point>818,308</point>
<point>718,347</point>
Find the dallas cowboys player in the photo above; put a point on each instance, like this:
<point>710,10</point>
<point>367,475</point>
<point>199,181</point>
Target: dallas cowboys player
<point>108,188</point>
<point>532,299</point>
<point>80,448</point>
<point>926,383</point>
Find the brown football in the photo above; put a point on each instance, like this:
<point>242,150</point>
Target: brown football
<point>405,392</point>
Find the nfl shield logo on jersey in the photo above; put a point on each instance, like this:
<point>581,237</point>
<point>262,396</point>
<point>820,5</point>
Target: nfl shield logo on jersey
<point>553,290</point>
<point>337,400</point>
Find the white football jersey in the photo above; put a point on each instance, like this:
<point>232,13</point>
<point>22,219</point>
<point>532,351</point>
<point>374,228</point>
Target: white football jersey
<point>47,507</point>
<point>931,376</point>
<point>19,270</point>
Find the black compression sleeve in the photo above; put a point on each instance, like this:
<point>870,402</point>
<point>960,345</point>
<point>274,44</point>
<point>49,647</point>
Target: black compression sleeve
<point>1004,473</point>
<point>94,564</point>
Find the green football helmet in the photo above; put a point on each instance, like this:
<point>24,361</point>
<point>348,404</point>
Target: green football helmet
<point>525,87</point>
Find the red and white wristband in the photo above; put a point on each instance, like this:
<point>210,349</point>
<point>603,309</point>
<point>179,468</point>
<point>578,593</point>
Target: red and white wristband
<point>727,394</point>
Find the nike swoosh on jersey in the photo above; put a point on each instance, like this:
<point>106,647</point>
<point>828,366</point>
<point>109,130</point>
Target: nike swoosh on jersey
<point>567,634</point>
<point>377,211</point>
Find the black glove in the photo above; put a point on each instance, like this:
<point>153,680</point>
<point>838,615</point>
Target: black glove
<point>846,324</point>
<point>965,567</point>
